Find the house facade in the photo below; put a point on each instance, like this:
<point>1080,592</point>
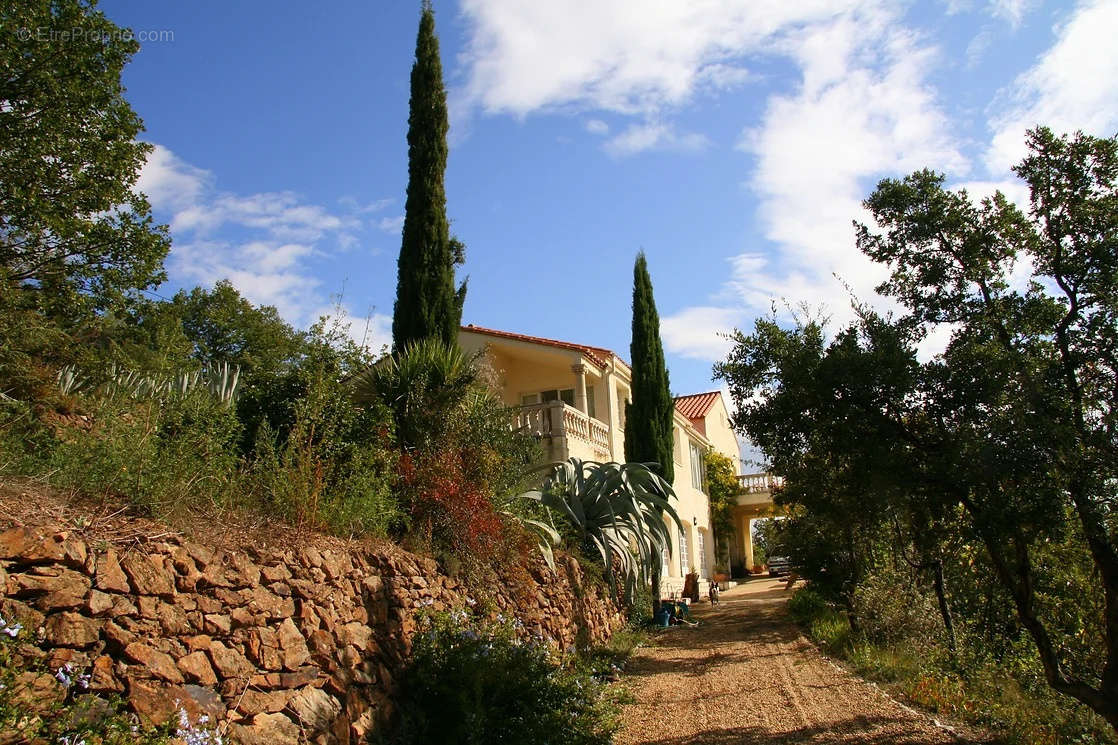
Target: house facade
<point>572,397</point>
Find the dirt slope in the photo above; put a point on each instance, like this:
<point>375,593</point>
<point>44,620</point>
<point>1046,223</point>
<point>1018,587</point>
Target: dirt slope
<point>747,675</point>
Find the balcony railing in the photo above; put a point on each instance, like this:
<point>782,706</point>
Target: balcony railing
<point>754,483</point>
<point>556,419</point>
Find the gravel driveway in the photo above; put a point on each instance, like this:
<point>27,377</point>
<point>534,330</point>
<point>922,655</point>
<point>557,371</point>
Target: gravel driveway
<point>747,675</point>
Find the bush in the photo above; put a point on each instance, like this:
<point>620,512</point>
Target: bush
<point>162,455</point>
<point>475,684</point>
<point>333,467</point>
<point>890,608</point>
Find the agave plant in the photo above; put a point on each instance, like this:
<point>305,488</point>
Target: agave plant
<point>219,379</point>
<point>618,508</point>
<point>70,380</point>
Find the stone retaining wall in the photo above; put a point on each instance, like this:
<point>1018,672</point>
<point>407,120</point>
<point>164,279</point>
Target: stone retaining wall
<point>278,646</point>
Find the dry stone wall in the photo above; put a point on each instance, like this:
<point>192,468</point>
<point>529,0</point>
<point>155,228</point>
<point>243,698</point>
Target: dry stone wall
<point>278,646</point>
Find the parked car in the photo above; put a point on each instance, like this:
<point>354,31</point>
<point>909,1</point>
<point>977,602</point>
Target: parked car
<point>779,565</point>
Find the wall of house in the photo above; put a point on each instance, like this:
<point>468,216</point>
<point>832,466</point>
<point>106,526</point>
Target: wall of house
<point>693,507</point>
<point>721,434</point>
<point>278,646</point>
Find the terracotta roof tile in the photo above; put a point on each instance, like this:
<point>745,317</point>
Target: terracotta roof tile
<point>598,355</point>
<point>697,405</point>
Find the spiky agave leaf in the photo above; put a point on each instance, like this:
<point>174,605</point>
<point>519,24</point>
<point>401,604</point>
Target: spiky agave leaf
<point>618,508</point>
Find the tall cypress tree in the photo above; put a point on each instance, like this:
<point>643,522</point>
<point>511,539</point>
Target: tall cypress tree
<point>427,303</point>
<point>649,418</point>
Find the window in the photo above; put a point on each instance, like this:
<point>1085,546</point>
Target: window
<point>590,401</point>
<point>684,560</point>
<point>697,467</point>
<point>701,544</point>
<point>664,559</point>
<point>566,395</point>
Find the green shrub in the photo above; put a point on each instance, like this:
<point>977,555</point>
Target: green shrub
<point>475,684</point>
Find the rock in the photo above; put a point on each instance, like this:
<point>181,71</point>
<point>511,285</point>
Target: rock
<point>201,701</point>
<point>68,629</point>
<point>245,618</point>
<point>266,729</point>
<point>173,620</point>
<point>278,573</point>
<point>196,667</point>
<point>37,691</point>
<point>254,702</point>
<point>270,604</point>
<point>262,648</point>
<point>157,663</point>
<point>199,642</point>
<point>201,555</point>
<point>294,647</point>
<point>52,588</point>
<point>229,663</point>
<point>122,606</point>
<point>357,634</point>
<point>99,603</point>
<point>146,577</point>
<point>109,576</point>
<point>24,545</point>
<point>153,703</point>
<point>315,708</point>
<point>102,677</point>
<point>217,624</point>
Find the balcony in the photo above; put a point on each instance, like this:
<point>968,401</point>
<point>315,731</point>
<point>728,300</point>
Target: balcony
<point>578,433</point>
<point>755,483</point>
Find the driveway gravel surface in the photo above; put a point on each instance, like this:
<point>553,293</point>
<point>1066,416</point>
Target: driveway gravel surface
<point>747,675</point>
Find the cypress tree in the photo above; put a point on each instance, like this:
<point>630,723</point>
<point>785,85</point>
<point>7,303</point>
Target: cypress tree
<point>427,303</point>
<point>649,418</point>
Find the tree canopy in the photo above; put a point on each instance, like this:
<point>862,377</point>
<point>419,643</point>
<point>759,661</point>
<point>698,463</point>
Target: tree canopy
<point>70,219</point>
<point>1006,440</point>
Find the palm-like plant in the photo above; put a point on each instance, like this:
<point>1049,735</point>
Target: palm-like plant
<point>617,508</point>
<point>420,385</point>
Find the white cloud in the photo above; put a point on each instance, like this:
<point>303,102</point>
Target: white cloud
<point>1010,11</point>
<point>391,224</point>
<point>597,127</point>
<point>628,56</point>
<point>699,332</point>
<point>654,136</point>
<point>863,109</point>
<point>1073,86</point>
<point>259,242</point>
<point>169,182</point>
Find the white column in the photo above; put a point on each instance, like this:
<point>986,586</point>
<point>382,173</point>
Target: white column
<point>580,388</point>
<point>612,418</point>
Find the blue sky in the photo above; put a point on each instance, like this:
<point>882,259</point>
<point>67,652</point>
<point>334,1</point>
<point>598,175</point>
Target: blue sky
<point>731,141</point>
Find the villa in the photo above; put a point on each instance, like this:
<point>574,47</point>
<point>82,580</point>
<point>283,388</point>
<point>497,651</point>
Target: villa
<point>572,397</point>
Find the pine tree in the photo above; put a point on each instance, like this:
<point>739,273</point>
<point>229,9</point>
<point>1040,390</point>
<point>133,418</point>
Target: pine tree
<point>649,418</point>
<point>427,303</point>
